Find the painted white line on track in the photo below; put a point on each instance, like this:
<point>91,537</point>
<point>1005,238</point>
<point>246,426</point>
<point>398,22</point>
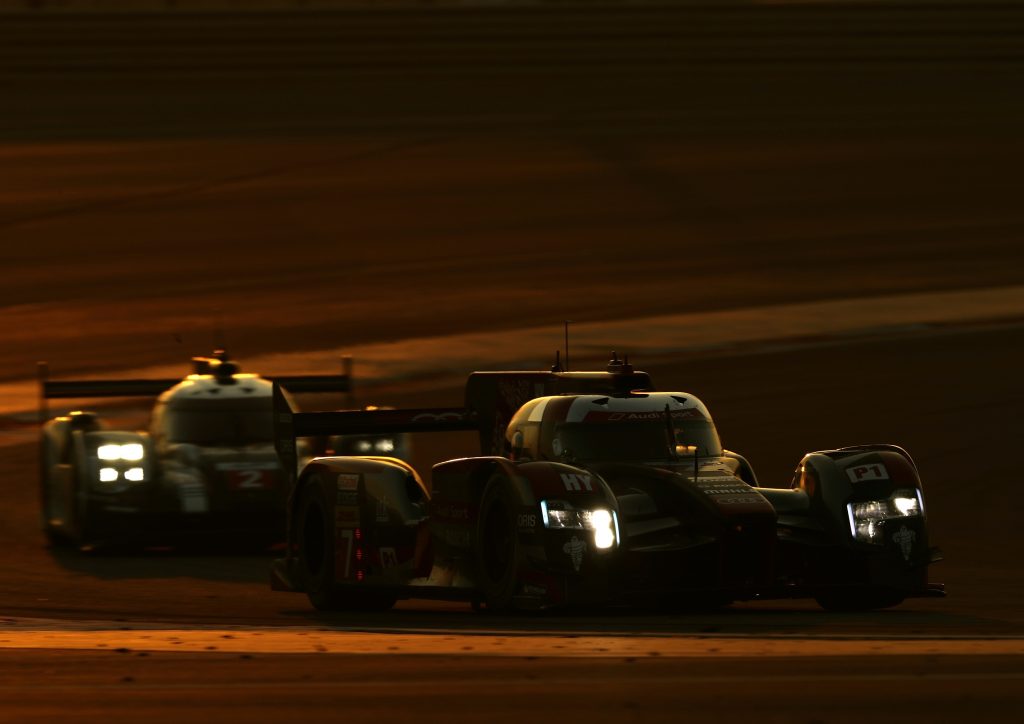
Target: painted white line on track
<point>305,641</point>
<point>25,623</point>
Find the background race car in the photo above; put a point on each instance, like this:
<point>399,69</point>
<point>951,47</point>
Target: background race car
<point>206,463</point>
<point>594,489</point>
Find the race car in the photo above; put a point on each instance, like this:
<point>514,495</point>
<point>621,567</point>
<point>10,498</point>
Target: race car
<point>206,464</point>
<point>593,489</point>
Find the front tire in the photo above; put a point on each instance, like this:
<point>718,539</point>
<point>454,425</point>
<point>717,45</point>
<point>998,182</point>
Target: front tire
<point>497,550</point>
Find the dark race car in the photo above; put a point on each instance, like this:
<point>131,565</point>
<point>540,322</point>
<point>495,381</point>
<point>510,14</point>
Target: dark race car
<point>594,489</point>
<point>206,464</point>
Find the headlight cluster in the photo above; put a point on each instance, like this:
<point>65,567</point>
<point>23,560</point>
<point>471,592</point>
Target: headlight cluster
<point>131,451</point>
<point>561,514</point>
<point>112,454</point>
<point>381,445</point>
<point>867,518</point>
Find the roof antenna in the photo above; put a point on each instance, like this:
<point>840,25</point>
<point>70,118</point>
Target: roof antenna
<point>218,336</point>
<point>557,366</point>
<point>567,323</point>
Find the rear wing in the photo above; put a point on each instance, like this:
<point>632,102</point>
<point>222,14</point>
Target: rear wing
<point>290,424</point>
<point>492,398</point>
<point>71,389</point>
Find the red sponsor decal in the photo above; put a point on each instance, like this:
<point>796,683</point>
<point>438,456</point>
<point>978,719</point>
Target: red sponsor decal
<point>872,471</point>
<point>348,554</point>
<point>346,517</point>
<point>250,479</point>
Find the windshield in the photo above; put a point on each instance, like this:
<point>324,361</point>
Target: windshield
<point>238,422</point>
<point>636,441</point>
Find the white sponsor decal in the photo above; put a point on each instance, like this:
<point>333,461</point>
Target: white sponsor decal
<point>450,511</point>
<point>905,538</point>
<point>388,558</point>
<point>527,520</point>
<point>653,415</point>
<point>348,498</point>
<point>577,482</point>
<point>575,548</point>
<point>860,473</point>
<point>348,481</point>
<point>193,498</point>
<point>747,500</point>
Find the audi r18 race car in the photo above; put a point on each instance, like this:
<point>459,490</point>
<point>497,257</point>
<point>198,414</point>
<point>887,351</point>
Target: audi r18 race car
<point>206,464</point>
<point>593,489</point>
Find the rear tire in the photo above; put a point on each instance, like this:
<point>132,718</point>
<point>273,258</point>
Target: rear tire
<point>497,550</point>
<point>315,538</point>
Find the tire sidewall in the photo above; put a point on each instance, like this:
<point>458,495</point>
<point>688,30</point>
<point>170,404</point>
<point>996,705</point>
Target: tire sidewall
<point>316,546</point>
<point>498,504</point>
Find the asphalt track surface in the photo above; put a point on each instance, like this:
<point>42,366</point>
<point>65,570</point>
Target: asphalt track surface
<point>369,176</point>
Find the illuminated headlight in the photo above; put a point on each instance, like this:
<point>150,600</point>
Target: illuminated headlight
<point>108,475</point>
<point>560,514</point>
<point>385,444</point>
<point>135,475</point>
<point>131,451</point>
<point>867,518</point>
<point>364,446</point>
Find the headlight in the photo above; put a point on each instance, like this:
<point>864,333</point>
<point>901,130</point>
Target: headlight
<point>131,451</point>
<point>604,523</point>
<point>867,518</point>
<point>385,444</point>
<point>132,475</point>
<point>364,446</point>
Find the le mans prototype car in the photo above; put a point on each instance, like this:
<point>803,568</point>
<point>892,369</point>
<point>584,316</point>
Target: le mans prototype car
<point>593,489</point>
<point>206,464</point>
